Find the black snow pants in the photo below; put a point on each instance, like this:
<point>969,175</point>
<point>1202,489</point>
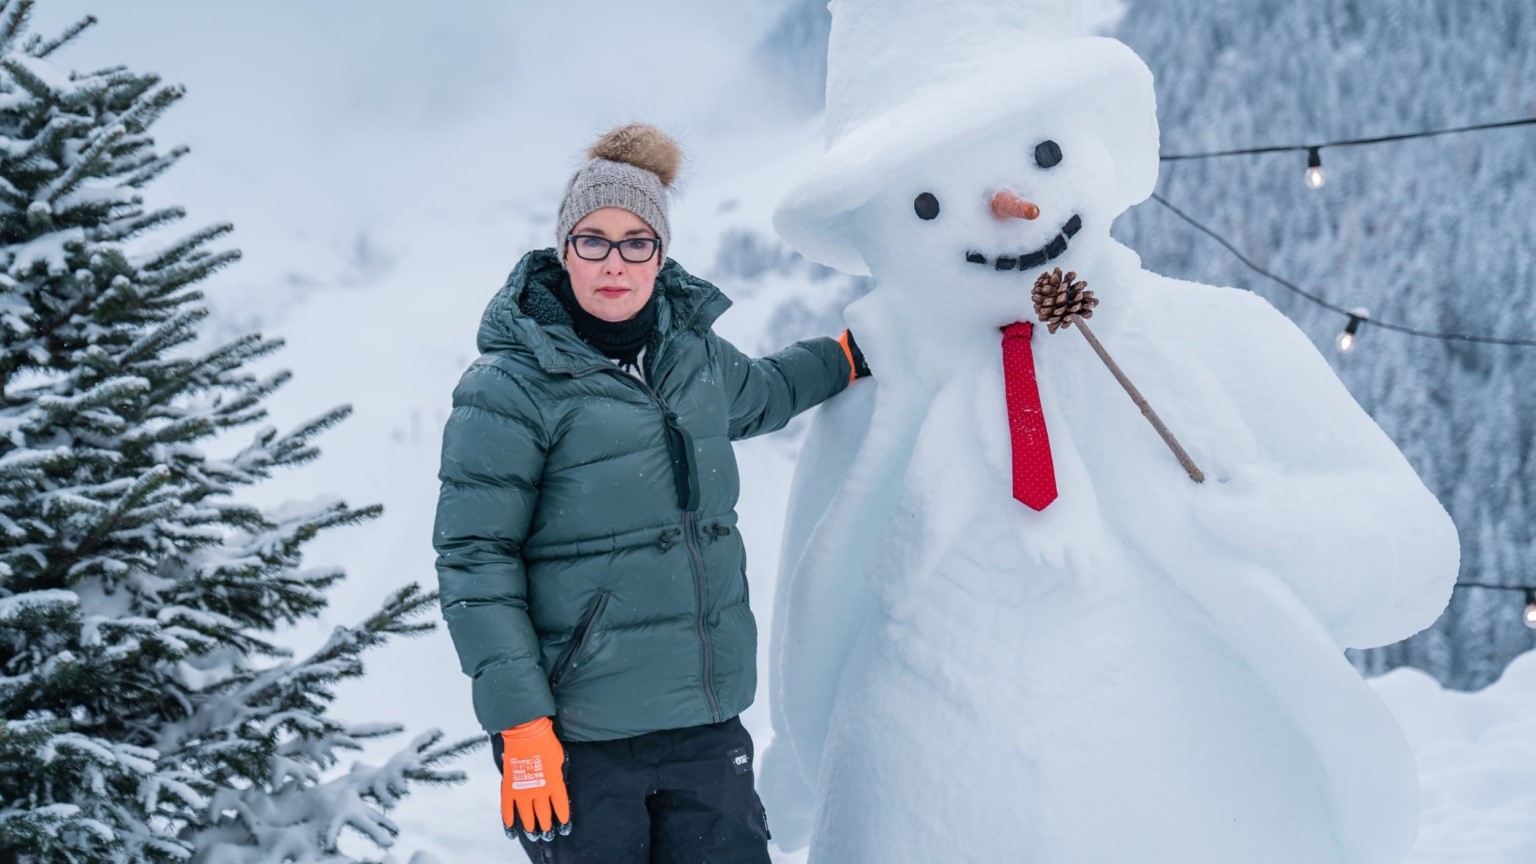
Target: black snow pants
<point>678,796</point>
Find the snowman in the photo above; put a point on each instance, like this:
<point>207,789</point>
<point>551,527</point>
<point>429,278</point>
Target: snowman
<point>1009,625</point>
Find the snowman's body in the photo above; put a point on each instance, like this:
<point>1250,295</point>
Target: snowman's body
<point>1148,669</point>
<point>1117,677</point>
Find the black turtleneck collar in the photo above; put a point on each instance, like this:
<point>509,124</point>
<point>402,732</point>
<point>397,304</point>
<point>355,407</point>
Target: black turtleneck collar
<point>621,341</point>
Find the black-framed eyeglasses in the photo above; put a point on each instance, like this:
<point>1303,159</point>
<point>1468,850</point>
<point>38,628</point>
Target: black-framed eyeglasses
<point>635,250</point>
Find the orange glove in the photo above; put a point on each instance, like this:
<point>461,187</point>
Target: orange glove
<point>533,780</point>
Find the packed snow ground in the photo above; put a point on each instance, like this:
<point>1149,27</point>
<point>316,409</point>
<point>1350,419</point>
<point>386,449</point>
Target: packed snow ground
<point>375,228</point>
<point>1477,764</point>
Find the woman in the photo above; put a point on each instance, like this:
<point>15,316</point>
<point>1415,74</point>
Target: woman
<point>591,572</point>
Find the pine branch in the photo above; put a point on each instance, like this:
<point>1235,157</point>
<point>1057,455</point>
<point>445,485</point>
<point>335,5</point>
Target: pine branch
<point>12,196</point>
<point>13,19</point>
<point>23,467</point>
<point>179,329</point>
<point>154,167</point>
<point>239,352</point>
<point>183,429</point>
<point>148,108</point>
<point>246,408</point>
<point>45,48</point>
<point>212,371</point>
<point>161,300</point>
<point>106,70</point>
<point>90,89</point>
<point>89,163</point>
<point>59,409</point>
<point>131,90</point>
<point>141,488</point>
<point>175,252</point>
<point>428,771</point>
<point>177,275</point>
<point>123,229</point>
<point>21,73</point>
<point>295,449</point>
<point>50,137</point>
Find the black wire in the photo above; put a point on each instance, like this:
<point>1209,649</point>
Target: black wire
<point>1386,325</point>
<point>1493,587</point>
<point>1350,142</point>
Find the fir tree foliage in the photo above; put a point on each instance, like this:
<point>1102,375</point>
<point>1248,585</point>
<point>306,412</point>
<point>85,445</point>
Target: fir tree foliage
<point>147,710</point>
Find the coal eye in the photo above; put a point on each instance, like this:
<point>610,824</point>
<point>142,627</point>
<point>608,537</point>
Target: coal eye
<point>1047,154</point>
<point>927,206</point>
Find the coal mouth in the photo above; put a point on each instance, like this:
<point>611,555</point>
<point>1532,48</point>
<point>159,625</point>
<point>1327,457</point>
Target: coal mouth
<point>1052,250</point>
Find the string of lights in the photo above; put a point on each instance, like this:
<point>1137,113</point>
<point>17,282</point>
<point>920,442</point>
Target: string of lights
<point>1530,597</point>
<point>1346,342</point>
<point>1315,151</point>
<point>1356,316</point>
<point>1359,316</point>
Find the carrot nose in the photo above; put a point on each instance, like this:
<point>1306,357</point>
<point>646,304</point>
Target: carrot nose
<point>1006,205</point>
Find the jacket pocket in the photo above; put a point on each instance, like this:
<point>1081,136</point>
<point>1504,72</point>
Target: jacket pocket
<point>572,654</point>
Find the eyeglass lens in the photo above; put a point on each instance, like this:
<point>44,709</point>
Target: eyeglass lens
<point>635,250</point>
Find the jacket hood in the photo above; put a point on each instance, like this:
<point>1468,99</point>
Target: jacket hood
<point>524,316</point>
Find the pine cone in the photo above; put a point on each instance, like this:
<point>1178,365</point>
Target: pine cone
<point>1058,298</point>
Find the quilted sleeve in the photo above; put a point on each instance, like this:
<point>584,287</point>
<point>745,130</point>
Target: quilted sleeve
<point>494,446</point>
<point>766,393</point>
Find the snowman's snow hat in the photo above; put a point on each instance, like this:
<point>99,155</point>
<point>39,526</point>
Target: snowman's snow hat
<point>905,77</point>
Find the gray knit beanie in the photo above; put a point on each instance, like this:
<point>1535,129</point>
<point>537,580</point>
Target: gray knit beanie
<point>630,167</point>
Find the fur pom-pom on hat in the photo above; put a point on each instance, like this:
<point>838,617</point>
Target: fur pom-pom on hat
<point>630,167</point>
<point>643,146</point>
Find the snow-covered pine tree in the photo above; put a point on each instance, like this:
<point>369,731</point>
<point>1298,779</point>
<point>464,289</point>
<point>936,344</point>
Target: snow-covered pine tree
<point>147,710</point>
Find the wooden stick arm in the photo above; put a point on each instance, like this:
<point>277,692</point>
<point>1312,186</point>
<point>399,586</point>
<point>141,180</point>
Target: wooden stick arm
<point>1194,471</point>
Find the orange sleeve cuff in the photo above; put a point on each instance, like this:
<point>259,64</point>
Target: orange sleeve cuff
<point>842,340</point>
<point>531,729</point>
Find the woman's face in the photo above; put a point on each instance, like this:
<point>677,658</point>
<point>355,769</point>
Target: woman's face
<point>612,289</point>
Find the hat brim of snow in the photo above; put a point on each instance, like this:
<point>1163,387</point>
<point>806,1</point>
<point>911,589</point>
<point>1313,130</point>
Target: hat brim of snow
<point>1105,77</point>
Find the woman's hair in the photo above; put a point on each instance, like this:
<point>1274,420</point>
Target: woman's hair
<point>630,167</point>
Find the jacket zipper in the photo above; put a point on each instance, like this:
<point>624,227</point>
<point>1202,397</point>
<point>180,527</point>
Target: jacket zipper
<point>702,621</point>
<point>579,638</point>
<point>690,539</point>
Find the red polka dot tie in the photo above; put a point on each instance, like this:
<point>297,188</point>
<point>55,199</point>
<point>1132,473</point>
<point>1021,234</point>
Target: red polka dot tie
<point>1034,475</point>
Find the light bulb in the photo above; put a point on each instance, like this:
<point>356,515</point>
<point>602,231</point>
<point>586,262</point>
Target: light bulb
<point>1315,177</point>
<point>1530,608</point>
<point>1347,338</point>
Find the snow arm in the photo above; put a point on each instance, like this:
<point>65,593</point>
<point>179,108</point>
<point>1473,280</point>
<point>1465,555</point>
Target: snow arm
<point>844,489</point>
<point>1319,494</point>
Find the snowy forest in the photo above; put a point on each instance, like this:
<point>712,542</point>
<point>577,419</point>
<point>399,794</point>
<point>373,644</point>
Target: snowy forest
<point>1410,230</point>
<point>236,292</point>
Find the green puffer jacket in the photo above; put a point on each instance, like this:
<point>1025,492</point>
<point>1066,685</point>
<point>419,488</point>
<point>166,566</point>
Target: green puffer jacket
<point>588,556</point>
